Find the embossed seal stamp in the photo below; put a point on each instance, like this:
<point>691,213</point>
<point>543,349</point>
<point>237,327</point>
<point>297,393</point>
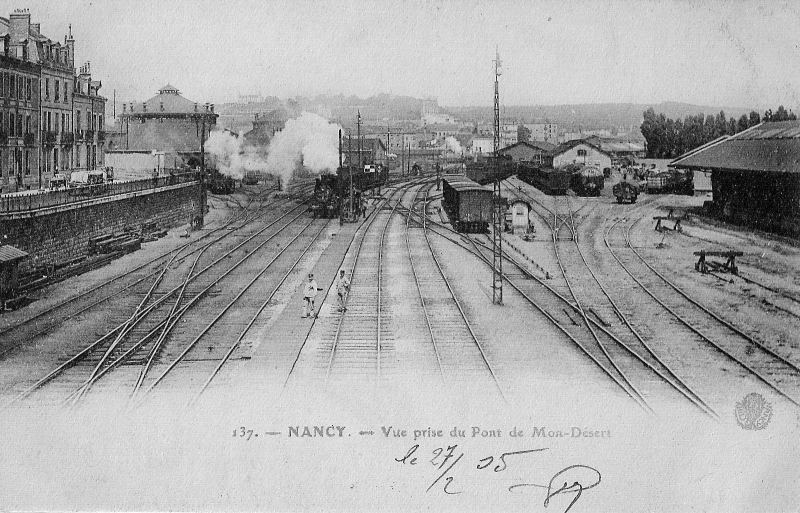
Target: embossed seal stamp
<point>753,412</point>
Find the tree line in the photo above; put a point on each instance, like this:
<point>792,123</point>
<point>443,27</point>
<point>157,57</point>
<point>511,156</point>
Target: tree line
<point>669,138</point>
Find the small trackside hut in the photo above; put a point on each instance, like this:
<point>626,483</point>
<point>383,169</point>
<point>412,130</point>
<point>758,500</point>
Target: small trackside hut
<point>467,204</point>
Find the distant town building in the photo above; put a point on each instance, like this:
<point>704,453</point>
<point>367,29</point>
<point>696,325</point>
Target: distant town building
<point>547,132</point>
<point>265,126</point>
<point>167,123</point>
<point>482,145</point>
<point>372,149</point>
<point>43,101</point>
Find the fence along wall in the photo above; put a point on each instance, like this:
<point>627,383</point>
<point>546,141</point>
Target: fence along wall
<point>58,237</point>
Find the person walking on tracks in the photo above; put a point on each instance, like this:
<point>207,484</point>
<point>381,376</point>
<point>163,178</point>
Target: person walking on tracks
<point>309,295</point>
<point>342,287</point>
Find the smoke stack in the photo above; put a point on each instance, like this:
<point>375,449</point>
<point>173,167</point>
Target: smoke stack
<point>19,25</point>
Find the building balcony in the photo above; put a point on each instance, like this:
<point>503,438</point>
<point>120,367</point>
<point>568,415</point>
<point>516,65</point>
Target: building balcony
<point>3,137</point>
<point>29,139</point>
<point>49,137</point>
<point>67,138</point>
<point>80,134</point>
<point>101,136</point>
<point>89,135</point>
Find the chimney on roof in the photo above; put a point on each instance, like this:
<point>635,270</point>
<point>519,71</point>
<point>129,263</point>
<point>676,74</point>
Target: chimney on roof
<point>36,29</point>
<point>70,43</point>
<point>19,25</point>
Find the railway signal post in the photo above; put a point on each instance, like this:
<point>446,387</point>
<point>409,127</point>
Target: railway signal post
<point>498,217</point>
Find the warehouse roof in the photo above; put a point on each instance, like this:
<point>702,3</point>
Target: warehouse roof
<point>10,253</point>
<point>771,147</point>
<point>536,145</point>
<point>462,183</point>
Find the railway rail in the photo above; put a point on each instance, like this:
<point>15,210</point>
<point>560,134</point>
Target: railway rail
<point>552,303</point>
<point>759,360</point>
<point>44,321</point>
<point>156,320</point>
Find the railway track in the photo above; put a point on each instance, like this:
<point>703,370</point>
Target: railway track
<point>563,314</point>
<point>774,370</point>
<point>123,343</point>
<point>26,330</point>
<point>459,353</point>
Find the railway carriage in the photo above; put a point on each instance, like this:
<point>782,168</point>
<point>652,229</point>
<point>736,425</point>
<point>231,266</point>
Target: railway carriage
<point>482,171</point>
<point>554,182</point>
<point>467,204</point>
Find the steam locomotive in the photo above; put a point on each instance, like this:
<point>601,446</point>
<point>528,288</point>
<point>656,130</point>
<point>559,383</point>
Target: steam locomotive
<point>332,191</point>
<point>586,180</point>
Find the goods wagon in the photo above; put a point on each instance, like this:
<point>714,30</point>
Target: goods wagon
<point>625,192</point>
<point>467,203</point>
<point>586,180</point>
<point>482,171</point>
<point>548,180</point>
<point>673,181</point>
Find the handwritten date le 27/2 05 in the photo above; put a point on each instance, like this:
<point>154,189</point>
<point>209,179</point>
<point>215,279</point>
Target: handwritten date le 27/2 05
<point>567,485</point>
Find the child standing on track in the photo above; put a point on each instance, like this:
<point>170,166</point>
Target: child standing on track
<point>309,295</point>
<point>342,287</point>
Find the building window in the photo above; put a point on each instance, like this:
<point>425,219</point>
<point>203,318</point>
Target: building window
<point>19,125</point>
<point>30,89</point>
<point>12,86</point>
<point>78,121</point>
<point>27,123</point>
<point>47,88</point>
<point>57,96</point>
<point>27,162</point>
<point>66,91</point>
<point>581,153</point>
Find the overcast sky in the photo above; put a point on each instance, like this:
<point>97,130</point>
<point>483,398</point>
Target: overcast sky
<point>737,54</point>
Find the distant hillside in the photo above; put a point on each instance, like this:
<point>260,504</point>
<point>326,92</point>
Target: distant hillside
<point>589,116</point>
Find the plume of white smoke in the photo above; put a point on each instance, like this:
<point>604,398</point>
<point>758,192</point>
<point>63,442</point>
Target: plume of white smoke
<point>232,158</point>
<point>453,145</point>
<point>309,139</point>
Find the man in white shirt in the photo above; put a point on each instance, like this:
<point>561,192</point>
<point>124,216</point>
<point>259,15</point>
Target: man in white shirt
<point>342,287</point>
<point>309,295</point>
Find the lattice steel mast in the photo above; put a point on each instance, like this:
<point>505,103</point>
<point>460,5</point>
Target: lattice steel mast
<point>497,218</point>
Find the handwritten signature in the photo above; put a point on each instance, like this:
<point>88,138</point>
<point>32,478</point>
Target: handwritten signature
<point>569,481</point>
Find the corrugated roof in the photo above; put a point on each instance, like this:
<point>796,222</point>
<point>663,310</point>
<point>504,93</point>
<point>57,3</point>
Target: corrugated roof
<point>10,253</point>
<point>769,147</point>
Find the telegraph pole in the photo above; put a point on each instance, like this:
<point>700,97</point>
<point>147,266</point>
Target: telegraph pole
<point>499,214</point>
<point>360,161</point>
<point>201,217</point>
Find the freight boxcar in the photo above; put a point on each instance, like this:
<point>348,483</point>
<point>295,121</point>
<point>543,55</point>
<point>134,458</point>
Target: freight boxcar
<point>586,180</point>
<point>467,203</point>
<point>548,180</point>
